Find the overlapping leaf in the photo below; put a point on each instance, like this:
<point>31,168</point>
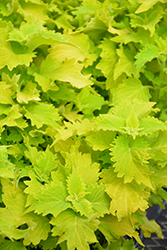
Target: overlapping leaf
<point>131,195</point>
<point>77,230</point>
<point>131,160</point>
<point>130,88</point>
<point>41,113</point>
<point>14,217</point>
<point>114,229</point>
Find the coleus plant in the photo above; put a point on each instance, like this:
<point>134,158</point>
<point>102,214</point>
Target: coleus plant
<point>82,122</point>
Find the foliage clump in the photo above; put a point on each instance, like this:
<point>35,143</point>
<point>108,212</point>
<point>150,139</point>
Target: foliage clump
<point>83,131</point>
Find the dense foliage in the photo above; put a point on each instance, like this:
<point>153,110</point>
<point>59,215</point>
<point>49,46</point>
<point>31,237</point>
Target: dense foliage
<point>83,143</point>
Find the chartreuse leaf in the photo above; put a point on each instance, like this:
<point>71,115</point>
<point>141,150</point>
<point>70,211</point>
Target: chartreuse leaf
<point>13,53</point>
<point>44,76</point>
<point>98,198</point>
<point>33,34</point>
<point>159,178</point>
<point>147,5</point>
<point>100,140</point>
<point>146,54</point>
<point>77,230</point>
<point>6,167</point>
<point>132,195</point>
<point>43,162</point>
<point>113,229</point>
<point>141,109</point>
<point>78,46</point>
<point>110,122</point>
<point>29,93</point>
<point>125,63</point>
<point>108,56</point>
<point>70,71</point>
<point>82,163</point>
<point>13,117</point>
<point>50,199</point>
<point>33,11</point>
<point>14,217</point>
<point>77,191</point>
<point>159,148</point>
<point>6,93</point>
<point>130,88</point>
<point>122,244</point>
<point>86,10</point>
<point>12,245</point>
<point>149,125</point>
<point>129,112</point>
<point>88,102</point>
<point>42,113</point>
<point>131,160</point>
<point>147,20</point>
<point>149,227</point>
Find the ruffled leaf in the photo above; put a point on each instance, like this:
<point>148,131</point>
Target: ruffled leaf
<point>131,160</point>
<point>126,197</point>
<point>76,230</point>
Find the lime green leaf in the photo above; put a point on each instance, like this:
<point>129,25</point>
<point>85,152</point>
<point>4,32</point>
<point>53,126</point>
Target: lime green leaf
<point>96,29</point>
<point>88,102</point>
<point>78,46</point>
<point>82,163</point>
<point>110,122</point>
<point>70,114</point>
<point>132,122</point>
<point>63,22</point>
<point>141,109</point>
<point>70,71</point>
<point>13,117</point>
<point>75,186</point>
<point>141,36</point>
<point>43,162</point>
<point>33,34</point>
<point>41,228</point>
<point>41,113</point>
<point>148,5</point>
<point>108,56</point>
<point>6,93</point>
<point>32,11</point>
<point>45,75</point>
<point>131,195</point>
<point>126,245</point>
<point>159,147</point>
<point>12,245</point>
<point>150,125</point>
<point>77,230</point>
<point>45,165</point>
<point>131,160</point>
<point>149,227</point>
<point>147,20</point>
<point>147,54</point>
<point>51,199</point>
<point>99,199</point>
<point>100,140</point>
<point>86,10</point>
<point>6,167</point>
<point>14,217</point>
<point>159,178</point>
<point>125,63</point>
<point>77,191</point>
<point>13,53</point>
<point>130,88</point>
<point>114,229</point>
<point>29,93</point>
